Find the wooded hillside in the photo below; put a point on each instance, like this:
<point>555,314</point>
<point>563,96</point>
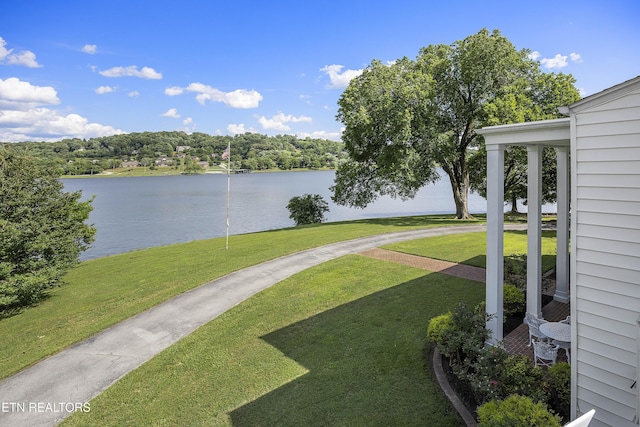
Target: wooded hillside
<point>249,151</point>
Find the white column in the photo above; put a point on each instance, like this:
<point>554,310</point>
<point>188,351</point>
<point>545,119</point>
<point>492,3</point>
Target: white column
<point>534,229</point>
<point>562,229</point>
<point>495,241</point>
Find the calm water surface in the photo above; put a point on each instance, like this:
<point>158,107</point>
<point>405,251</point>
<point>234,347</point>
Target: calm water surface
<point>141,212</point>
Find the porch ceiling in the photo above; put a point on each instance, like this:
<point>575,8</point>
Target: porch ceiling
<point>546,132</point>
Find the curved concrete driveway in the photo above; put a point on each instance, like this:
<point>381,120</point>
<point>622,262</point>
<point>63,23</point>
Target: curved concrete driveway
<point>44,394</point>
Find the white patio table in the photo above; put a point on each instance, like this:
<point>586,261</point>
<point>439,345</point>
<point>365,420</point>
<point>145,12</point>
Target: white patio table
<point>556,331</point>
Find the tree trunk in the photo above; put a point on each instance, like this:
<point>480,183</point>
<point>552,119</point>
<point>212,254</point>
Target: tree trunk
<point>460,189</point>
<point>514,204</point>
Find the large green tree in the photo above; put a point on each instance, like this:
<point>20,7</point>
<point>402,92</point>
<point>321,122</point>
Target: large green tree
<point>404,120</point>
<point>42,229</point>
<point>538,101</point>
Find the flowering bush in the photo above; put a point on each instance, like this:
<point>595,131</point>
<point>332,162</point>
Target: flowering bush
<point>497,374</point>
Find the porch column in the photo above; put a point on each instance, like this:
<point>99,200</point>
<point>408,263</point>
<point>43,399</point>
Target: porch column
<point>562,228</point>
<point>495,241</point>
<point>534,229</point>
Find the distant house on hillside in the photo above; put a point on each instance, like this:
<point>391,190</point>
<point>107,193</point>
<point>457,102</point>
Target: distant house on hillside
<point>162,161</point>
<point>130,164</point>
<point>600,140</point>
<point>182,148</point>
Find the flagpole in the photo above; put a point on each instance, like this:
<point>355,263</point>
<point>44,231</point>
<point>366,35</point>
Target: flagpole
<point>228,186</point>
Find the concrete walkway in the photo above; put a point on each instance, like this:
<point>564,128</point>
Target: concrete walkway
<point>46,393</point>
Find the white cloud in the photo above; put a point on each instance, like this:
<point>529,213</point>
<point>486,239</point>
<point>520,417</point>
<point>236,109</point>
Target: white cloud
<point>339,78</point>
<point>236,129</point>
<point>132,71</point>
<point>575,57</point>
<point>187,121</point>
<point>89,48</point>
<point>3,50</point>
<point>239,98</point>
<point>558,61</point>
<point>173,91</point>
<point>306,99</point>
<point>133,93</point>
<point>104,89</point>
<point>23,117</point>
<point>278,121</point>
<point>16,91</point>
<point>25,57</point>
<point>334,136</point>
<point>171,112</point>
<point>38,124</point>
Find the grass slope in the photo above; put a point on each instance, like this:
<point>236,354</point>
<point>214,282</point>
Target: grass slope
<point>339,344</point>
<point>102,292</point>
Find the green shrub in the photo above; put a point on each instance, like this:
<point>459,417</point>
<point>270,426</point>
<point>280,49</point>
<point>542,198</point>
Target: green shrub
<point>465,339</point>
<point>497,374</point>
<point>513,300</point>
<point>307,209</point>
<point>515,270</point>
<point>520,376</point>
<point>559,378</point>
<point>485,377</point>
<point>438,326</point>
<point>516,411</point>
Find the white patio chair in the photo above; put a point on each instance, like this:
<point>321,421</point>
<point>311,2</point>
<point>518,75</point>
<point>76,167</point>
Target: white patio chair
<point>582,421</point>
<point>566,346</point>
<point>534,323</point>
<point>544,354</point>
<point>567,320</point>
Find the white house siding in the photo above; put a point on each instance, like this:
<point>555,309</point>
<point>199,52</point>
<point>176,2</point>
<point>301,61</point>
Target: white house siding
<point>606,253</point>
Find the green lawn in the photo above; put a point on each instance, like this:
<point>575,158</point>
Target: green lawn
<point>342,343</point>
<point>469,248</point>
<point>102,292</point>
<point>339,344</point>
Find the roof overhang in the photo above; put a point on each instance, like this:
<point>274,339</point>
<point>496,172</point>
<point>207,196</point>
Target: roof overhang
<point>555,133</point>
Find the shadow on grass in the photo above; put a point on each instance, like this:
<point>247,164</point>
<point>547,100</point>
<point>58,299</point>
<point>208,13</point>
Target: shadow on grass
<point>365,361</point>
<point>417,221</point>
<point>403,221</point>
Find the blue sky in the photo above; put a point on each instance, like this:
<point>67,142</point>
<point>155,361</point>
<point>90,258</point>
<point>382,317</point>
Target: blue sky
<point>93,68</point>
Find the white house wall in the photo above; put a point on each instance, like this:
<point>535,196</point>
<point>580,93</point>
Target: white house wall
<point>606,253</point>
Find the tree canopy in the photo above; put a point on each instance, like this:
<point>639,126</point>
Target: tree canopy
<point>249,150</point>
<point>406,119</point>
<point>42,230</point>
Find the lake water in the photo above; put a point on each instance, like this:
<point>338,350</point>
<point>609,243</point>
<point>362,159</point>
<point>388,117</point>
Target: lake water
<point>140,212</point>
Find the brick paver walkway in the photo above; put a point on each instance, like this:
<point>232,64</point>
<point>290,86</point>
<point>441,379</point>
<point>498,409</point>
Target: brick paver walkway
<point>516,342</point>
<point>460,270</point>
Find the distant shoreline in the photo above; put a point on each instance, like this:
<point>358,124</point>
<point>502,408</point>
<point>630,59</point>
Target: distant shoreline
<point>134,172</point>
